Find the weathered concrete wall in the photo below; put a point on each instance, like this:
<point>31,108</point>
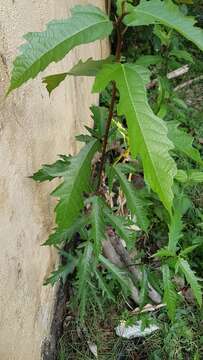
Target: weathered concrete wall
<point>33,130</point>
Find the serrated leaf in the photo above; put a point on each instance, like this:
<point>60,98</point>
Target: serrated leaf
<point>97,233</point>
<point>89,67</point>
<point>136,204</point>
<point>144,289</point>
<point>104,286</point>
<point>83,138</point>
<point>164,252</point>
<point>62,272</point>
<point>175,231</point>
<point>51,171</point>
<point>65,235</point>
<point>84,272</point>
<point>118,223</point>
<point>183,142</point>
<point>147,132</point>
<point>76,182</point>
<point>165,13</point>
<point>163,35</point>
<point>87,23</point>
<point>170,296</point>
<point>191,279</point>
<point>188,250</point>
<point>119,274</point>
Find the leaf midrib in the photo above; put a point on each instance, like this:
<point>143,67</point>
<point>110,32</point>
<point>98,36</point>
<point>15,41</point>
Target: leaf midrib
<point>54,49</point>
<point>166,23</point>
<point>141,132</point>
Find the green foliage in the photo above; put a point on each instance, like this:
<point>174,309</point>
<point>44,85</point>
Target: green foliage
<point>87,24</point>
<point>113,185</point>
<point>189,177</point>
<point>97,234</point>
<point>84,274</point>
<point>170,296</point>
<point>151,141</point>
<point>119,274</point>
<point>191,279</point>
<point>76,182</point>
<point>50,172</point>
<point>183,142</point>
<point>175,230</point>
<point>89,67</point>
<point>121,225</point>
<point>168,14</point>
<point>62,272</point>
<point>136,203</point>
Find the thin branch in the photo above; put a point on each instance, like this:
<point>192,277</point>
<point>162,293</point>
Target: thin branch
<point>171,75</point>
<point>113,96</point>
<point>108,124</point>
<point>188,83</point>
<point>108,7</point>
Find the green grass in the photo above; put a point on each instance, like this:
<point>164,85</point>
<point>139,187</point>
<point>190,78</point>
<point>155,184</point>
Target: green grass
<point>180,340</point>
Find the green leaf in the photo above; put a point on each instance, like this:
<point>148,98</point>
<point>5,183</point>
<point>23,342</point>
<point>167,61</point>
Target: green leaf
<point>104,286</point>
<point>147,60</point>
<point>163,35</point>
<point>87,23</point>
<point>191,279</point>
<point>120,226</point>
<point>144,289</point>
<point>183,142</point>
<point>147,132</point>
<point>65,235</point>
<point>88,68</point>
<point>62,272</point>
<point>119,274</point>
<point>99,116</point>
<point>97,233</point>
<point>182,55</point>
<point>165,13</point>
<point>164,252</point>
<point>136,204</point>
<point>188,250</point>
<point>195,176</point>
<point>83,138</point>
<point>50,172</point>
<point>175,231</point>
<point>181,176</point>
<point>189,177</point>
<point>76,182</point>
<point>84,273</point>
<point>170,296</point>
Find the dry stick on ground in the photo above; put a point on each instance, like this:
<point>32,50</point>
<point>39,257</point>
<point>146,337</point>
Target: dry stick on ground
<point>113,256</point>
<point>171,75</point>
<point>188,83</point>
<point>137,274</point>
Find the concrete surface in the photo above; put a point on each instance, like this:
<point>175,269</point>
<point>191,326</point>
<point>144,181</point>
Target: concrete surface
<point>33,130</point>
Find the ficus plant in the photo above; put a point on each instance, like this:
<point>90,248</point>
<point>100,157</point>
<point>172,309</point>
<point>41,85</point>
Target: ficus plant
<point>126,166</point>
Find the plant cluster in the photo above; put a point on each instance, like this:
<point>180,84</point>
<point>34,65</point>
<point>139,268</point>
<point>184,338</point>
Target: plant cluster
<point>128,167</point>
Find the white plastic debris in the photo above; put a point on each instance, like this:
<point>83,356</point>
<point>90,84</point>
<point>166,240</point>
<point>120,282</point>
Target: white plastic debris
<point>93,349</point>
<point>134,331</point>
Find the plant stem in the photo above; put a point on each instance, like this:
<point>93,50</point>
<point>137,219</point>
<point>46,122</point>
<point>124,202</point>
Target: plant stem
<point>113,96</point>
